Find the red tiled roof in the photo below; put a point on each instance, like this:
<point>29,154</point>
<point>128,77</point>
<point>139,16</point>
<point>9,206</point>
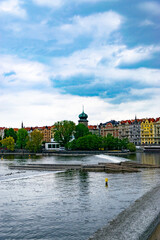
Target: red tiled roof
<point>92,127</point>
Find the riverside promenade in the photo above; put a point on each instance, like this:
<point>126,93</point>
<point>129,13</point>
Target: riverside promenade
<point>137,222</point>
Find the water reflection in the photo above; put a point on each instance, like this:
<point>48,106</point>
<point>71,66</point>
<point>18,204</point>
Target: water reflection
<point>145,158</point>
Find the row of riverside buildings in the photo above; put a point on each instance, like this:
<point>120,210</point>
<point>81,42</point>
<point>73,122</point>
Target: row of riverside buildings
<point>144,131</point>
<point>138,131</point>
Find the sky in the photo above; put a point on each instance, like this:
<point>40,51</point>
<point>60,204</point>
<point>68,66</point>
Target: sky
<point>57,56</point>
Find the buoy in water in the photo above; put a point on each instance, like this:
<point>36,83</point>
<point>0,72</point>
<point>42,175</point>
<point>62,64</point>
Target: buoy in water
<point>106,182</point>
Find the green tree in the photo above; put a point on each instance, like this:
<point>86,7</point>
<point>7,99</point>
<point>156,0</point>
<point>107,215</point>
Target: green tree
<point>81,130</point>
<point>9,143</point>
<point>89,142</point>
<point>109,142</point>
<point>22,138</point>
<point>124,143</point>
<point>35,141</point>
<point>131,147</point>
<point>64,131</point>
<point>10,133</point>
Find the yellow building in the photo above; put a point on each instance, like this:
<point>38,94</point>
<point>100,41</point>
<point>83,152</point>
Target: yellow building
<point>147,132</point>
<point>157,131</point>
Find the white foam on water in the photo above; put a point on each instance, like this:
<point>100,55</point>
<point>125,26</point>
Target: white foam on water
<point>28,176</point>
<point>113,159</point>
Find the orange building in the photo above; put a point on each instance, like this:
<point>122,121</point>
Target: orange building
<point>46,134</point>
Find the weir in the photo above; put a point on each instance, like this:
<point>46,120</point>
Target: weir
<point>100,167</point>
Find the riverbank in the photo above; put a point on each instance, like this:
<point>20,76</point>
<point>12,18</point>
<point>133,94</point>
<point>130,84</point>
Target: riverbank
<point>138,221</point>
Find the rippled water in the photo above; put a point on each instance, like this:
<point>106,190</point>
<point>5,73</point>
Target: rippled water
<point>66,205</point>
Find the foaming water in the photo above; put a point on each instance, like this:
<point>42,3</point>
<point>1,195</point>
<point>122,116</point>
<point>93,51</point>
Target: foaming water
<point>65,205</point>
<point>13,176</point>
<point>112,159</point>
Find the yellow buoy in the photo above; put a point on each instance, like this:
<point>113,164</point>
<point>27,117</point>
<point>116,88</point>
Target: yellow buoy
<point>106,181</point>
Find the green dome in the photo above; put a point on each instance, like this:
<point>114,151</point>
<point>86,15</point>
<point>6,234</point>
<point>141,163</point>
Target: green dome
<point>83,116</point>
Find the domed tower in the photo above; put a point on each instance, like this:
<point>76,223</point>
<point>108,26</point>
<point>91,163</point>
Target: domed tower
<point>83,118</point>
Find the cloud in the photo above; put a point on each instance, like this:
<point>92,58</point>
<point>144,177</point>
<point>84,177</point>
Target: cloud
<point>37,108</point>
<point>13,7</point>
<point>97,26</point>
<point>103,65</point>
<point>135,55</point>
<point>150,7</point>
<point>19,73</point>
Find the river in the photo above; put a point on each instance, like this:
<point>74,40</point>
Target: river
<point>67,205</point>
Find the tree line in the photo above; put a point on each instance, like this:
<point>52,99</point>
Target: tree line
<point>69,135</point>
<point>22,140</point>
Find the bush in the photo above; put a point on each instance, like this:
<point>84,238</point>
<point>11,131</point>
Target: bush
<point>131,147</point>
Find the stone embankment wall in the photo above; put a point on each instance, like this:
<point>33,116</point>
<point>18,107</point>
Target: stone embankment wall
<point>135,223</point>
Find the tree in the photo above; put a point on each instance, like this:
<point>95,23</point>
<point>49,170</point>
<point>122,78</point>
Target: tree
<point>131,147</point>
<point>109,142</point>
<point>35,141</point>
<point>89,142</point>
<point>64,131</point>
<point>80,131</point>
<point>10,133</point>
<point>124,143</point>
<point>22,138</point>
<point>9,143</point>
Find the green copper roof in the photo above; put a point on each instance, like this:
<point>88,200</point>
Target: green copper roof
<point>83,115</point>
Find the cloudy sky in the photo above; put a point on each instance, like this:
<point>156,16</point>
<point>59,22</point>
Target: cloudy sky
<point>58,55</point>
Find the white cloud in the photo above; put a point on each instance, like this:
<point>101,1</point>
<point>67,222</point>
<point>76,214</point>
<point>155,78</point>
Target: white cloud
<point>97,26</point>
<point>135,55</point>
<point>13,7</point>
<point>103,62</point>
<point>19,73</point>
<point>150,7</point>
<point>146,91</point>
<point>35,107</point>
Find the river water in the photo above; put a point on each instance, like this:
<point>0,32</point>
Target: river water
<point>67,205</point>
